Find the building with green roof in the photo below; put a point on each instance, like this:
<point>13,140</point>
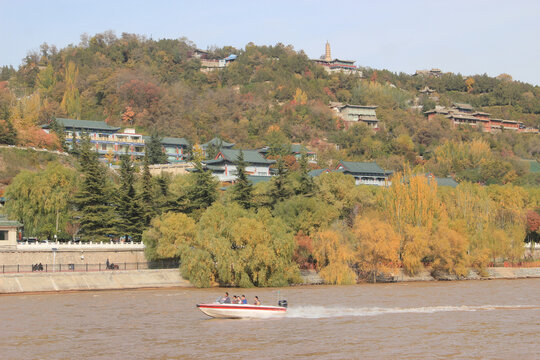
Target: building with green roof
<point>8,232</point>
<point>223,166</point>
<point>365,173</point>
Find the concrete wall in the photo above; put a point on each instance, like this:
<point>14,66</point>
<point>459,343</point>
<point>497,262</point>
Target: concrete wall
<point>104,280</point>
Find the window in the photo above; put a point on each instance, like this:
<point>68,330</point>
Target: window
<point>103,146</point>
<point>3,235</point>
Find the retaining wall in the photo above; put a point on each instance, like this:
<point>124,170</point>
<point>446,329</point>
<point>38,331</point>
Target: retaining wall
<point>102,280</point>
<point>76,255</point>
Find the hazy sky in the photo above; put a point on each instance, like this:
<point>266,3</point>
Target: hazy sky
<point>469,37</point>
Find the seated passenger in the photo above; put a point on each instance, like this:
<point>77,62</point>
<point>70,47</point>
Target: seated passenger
<point>243,300</point>
<point>226,299</point>
<point>256,302</point>
<point>235,299</point>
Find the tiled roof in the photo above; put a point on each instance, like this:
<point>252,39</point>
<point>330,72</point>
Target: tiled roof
<point>232,155</point>
<point>363,167</point>
<point>463,106</point>
<point>174,141</point>
<point>83,124</point>
<point>217,142</point>
<point>5,222</point>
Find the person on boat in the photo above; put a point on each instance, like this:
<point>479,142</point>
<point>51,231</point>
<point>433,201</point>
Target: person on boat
<point>236,299</point>
<point>243,300</point>
<point>226,299</point>
<point>256,302</point>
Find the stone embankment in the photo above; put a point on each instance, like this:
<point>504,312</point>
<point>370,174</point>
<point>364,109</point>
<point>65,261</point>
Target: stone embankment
<point>167,278</point>
<point>99,280</point>
<point>491,273</point>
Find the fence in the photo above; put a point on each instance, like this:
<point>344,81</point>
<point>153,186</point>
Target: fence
<point>159,264</point>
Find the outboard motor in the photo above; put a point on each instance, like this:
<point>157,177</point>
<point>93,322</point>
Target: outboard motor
<point>282,303</point>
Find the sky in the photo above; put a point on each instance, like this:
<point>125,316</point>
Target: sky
<point>467,37</point>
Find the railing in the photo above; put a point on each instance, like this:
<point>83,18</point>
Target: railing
<point>80,246</point>
<point>49,268</point>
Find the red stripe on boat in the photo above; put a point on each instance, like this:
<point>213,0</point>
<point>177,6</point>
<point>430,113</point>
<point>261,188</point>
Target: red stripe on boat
<point>240,307</point>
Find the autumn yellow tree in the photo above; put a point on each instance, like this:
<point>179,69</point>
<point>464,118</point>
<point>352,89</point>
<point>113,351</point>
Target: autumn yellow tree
<point>333,254</point>
<point>449,252</point>
<point>71,102</point>
<point>412,200</point>
<point>376,246</point>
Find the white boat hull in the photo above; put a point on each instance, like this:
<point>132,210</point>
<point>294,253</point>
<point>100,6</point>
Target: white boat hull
<point>239,311</point>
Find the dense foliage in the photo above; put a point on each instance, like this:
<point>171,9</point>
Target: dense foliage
<point>261,235</point>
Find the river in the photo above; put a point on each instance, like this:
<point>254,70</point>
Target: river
<point>497,319</point>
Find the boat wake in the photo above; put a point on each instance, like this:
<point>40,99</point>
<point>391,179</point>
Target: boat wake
<point>317,312</point>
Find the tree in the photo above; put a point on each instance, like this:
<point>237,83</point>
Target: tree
<point>203,192</point>
<point>155,150</point>
<point>8,134</point>
<point>147,194</point>
<point>333,255</point>
<point>243,188</point>
<point>42,200</point>
<point>377,246</point>
<point>131,220</point>
<point>306,185</point>
<point>229,245</point>
<point>71,102</point>
<point>98,220</point>
<point>280,183</point>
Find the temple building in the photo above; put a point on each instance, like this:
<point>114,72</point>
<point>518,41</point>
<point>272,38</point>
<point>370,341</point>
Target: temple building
<point>337,65</point>
<point>223,166</point>
<point>464,114</point>
<point>354,114</point>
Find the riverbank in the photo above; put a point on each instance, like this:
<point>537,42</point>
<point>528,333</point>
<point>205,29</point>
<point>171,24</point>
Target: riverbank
<point>168,278</point>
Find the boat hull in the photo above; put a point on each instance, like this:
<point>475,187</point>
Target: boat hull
<point>239,311</point>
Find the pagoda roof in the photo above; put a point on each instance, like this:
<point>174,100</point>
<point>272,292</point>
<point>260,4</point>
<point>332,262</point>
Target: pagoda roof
<point>217,142</point>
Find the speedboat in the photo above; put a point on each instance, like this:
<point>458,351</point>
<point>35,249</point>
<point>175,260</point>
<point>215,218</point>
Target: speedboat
<point>242,311</point>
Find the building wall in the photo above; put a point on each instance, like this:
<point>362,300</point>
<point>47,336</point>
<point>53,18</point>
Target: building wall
<point>11,238</point>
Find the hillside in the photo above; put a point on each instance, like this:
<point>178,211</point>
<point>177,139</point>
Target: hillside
<point>267,94</point>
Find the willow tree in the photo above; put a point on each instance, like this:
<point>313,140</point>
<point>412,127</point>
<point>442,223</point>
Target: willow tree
<point>231,246</point>
<point>334,255</point>
<point>42,200</point>
<point>376,246</point>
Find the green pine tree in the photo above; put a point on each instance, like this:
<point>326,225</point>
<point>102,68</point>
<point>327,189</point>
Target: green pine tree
<point>131,221</point>
<point>59,130</point>
<point>203,192</point>
<point>93,201</point>
<point>8,134</point>
<point>243,189</point>
<point>280,189</point>
<point>306,186</point>
<point>155,150</point>
<point>147,195</point>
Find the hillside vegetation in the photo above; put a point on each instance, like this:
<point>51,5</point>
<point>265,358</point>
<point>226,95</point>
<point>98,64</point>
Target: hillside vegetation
<point>262,234</point>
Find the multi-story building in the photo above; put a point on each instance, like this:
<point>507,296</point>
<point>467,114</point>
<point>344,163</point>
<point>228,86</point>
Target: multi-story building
<point>354,114</point>
<point>111,142</point>
<point>464,114</point>
<point>365,173</point>
<point>223,166</point>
